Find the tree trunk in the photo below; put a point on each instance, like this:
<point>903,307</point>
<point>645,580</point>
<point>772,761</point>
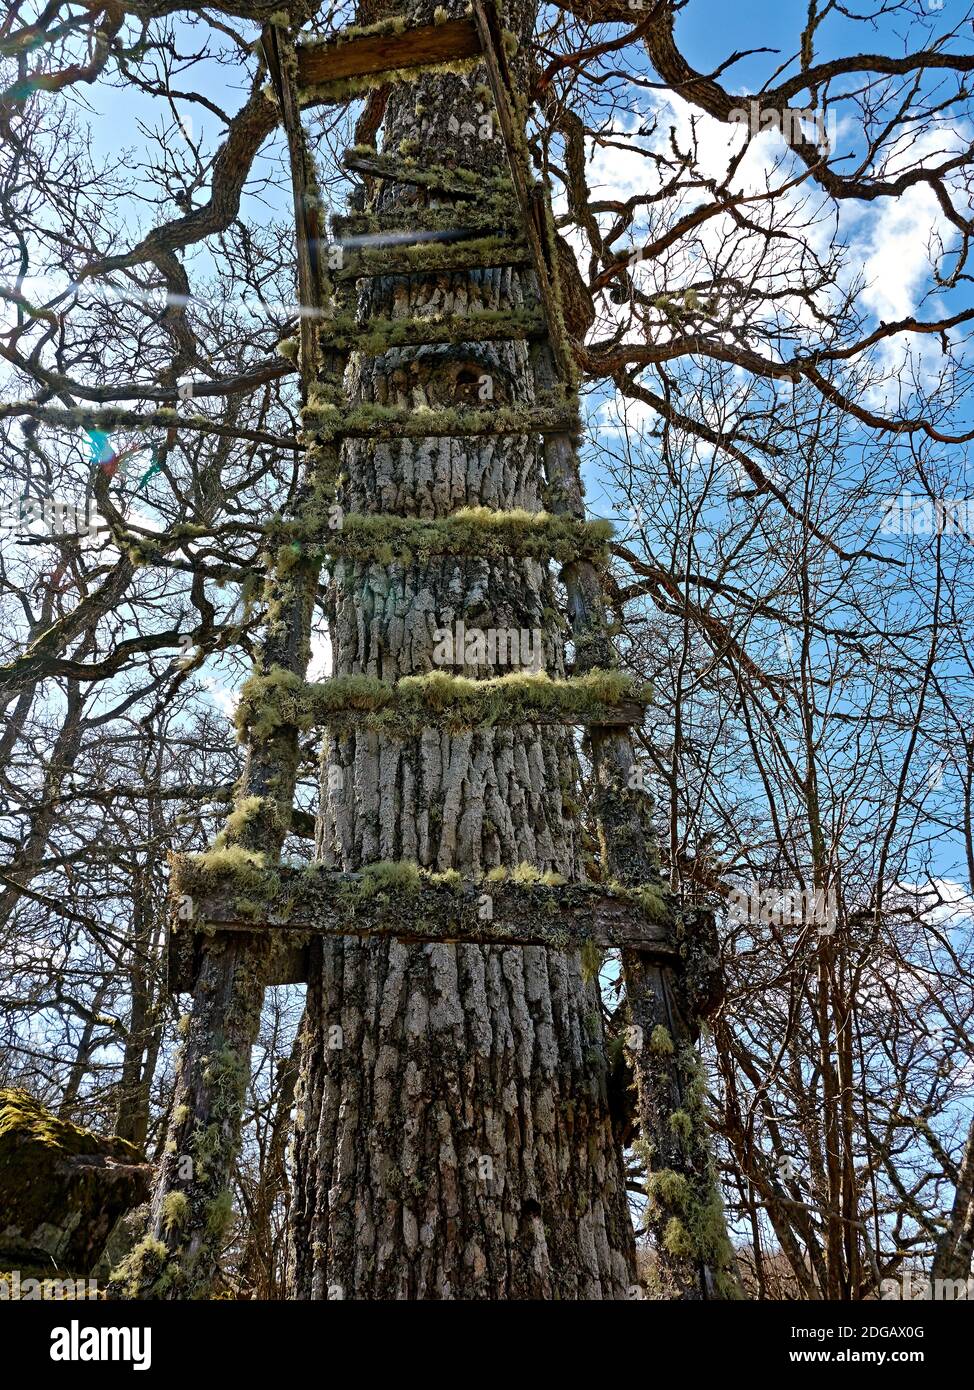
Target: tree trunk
<point>955,1248</point>
<point>454,1137</point>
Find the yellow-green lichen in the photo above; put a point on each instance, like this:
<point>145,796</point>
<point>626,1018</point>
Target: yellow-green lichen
<point>456,702</point>
<point>689,1211</point>
<point>175,1209</point>
<point>345,89</point>
<point>218,1214</point>
<point>481,531</point>
<point>400,422</point>
<point>681,1125</point>
<point>145,1271</point>
<point>379,335</point>
<point>591,961</point>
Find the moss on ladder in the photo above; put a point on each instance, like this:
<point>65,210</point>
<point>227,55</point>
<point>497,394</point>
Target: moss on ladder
<point>433,257</point>
<point>383,422</point>
<point>381,334</point>
<point>438,698</point>
<point>379,538</point>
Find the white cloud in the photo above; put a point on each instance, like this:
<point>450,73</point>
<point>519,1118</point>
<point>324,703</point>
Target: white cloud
<point>321,664</point>
<point>222,696</point>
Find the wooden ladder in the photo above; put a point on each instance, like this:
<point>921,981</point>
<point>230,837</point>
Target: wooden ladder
<point>476,232</point>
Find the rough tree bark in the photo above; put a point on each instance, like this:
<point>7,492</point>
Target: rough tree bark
<point>458,1142</point>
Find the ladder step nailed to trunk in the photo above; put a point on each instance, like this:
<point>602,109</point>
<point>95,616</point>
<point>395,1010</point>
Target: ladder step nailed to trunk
<point>380,334</point>
<point>439,699</point>
<point>415,223</point>
<point>380,422</point>
<point>391,46</point>
<point>426,257</point>
<point>451,182</point>
<point>408,904</point>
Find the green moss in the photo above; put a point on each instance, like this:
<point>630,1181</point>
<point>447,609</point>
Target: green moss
<point>660,1042</point>
<point>244,811</point>
<point>652,900</point>
<point>326,391</point>
<point>450,878</point>
<point>591,961</point>
<point>243,865</point>
<point>345,89</point>
<point>467,183</point>
<point>681,1125</point>
<point>144,1270</point>
<point>175,1209</point>
<point>379,335</point>
<point>392,24</point>
<point>254,908</point>
<point>268,702</point>
<point>472,253</point>
<point>218,1214</point>
<point>490,213</point>
<point>22,1114</point>
<point>396,881</point>
<point>691,1220</point>
<point>676,1239</point>
<point>226,1072</point>
<point>27,1126</point>
<point>264,698</point>
<point>400,877</point>
<point>41,1185</point>
<point>144,552</point>
<point>669,1189</point>
<point>526,873</point>
<point>400,422</point>
<point>480,531</point>
<point>207,1146</point>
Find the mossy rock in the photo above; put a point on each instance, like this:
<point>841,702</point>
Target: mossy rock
<point>62,1188</point>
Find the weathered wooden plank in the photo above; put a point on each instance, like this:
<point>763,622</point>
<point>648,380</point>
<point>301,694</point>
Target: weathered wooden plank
<point>423,255</point>
<point>457,183</point>
<point>420,46</point>
<point>626,714</point>
<point>319,902</point>
<point>379,334</point>
<point>395,422</point>
<point>405,224</point>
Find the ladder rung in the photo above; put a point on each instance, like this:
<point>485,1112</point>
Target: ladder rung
<point>417,223</point>
<point>431,258</point>
<point>386,49</point>
<point>486,326</point>
<point>397,422</point>
<point>322,903</point>
<point>458,183</point>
